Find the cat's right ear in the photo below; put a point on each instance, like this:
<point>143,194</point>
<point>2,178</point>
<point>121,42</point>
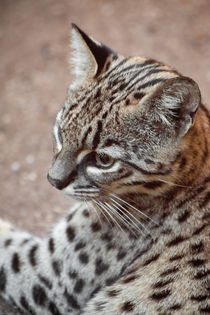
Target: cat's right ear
<point>89,56</point>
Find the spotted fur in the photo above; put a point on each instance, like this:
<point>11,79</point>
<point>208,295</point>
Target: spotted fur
<point>132,144</point>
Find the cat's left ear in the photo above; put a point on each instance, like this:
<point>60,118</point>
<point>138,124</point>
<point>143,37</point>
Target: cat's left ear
<point>89,56</point>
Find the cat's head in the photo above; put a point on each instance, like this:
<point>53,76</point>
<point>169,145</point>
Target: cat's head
<point>122,126</point>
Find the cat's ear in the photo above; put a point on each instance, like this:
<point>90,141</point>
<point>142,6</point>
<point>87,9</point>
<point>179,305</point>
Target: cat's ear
<point>89,55</point>
<point>176,102</point>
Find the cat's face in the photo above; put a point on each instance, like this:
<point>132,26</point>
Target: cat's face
<point>122,124</point>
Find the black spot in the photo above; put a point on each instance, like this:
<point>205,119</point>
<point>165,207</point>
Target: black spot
<point>201,274</point>
<point>95,226</point>
<point>46,282</point>
<point>26,305</point>
<point>32,255</point>
<point>151,259</point>
<point>72,274</point>
<point>8,242</point>
<point>182,217</point>
<point>205,309</point>
<point>79,286</point>
<point>197,247</point>
<point>130,279</point>
<point>196,262</point>
<point>70,232</point>
<point>198,297</point>
<point>39,295</point>
<point>56,265</point>
<point>127,102</point>
<point>122,86</point>
<point>86,213</point>
<point>159,295</point>
<point>176,257</point>
<point>99,306</point>
<point>15,263</point>
<point>51,245</point>
<point>79,245</point>
<point>110,280</point>
<point>106,237</point>
<point>98,93</point>
<point>84,258</point>
<point>100,266</point>
<point>182,162</point>
<point>176,241</point>
<point>127,306</point>
<point>175,307</point>
<point>113,292</point>
<point>3,279</point>
<point>71,300</point>
<point>138,95</point>
<point>121,254</point>
<point>169,271</point>
<point>95,291</point>
<point>53,309</point>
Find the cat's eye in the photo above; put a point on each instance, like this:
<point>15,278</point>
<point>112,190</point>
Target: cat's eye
<point>104,160</point>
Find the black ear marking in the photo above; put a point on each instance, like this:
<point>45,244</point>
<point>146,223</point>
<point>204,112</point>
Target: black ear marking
<point>100,51</point>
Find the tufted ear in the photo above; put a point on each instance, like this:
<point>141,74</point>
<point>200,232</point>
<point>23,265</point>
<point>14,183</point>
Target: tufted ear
<point>89,56</point>
<point>176,102</point>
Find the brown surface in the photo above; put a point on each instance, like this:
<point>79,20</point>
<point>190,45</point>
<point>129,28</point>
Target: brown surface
<point>34,75</point>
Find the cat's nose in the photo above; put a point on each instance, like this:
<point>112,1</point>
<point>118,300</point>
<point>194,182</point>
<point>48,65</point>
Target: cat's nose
<point>59,184</point>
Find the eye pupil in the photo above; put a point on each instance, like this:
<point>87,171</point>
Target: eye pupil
<point>104,159</point>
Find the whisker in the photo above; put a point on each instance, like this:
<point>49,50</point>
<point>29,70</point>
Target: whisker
<point>92,206</point>
<point>131,215</point>
<point>121,218</point>
<point>134,208</point>
<point>113,219</point>
<point>174,184</point>
<point>104,214</point>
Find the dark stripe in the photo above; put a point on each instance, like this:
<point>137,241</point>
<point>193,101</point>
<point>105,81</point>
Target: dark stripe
<point>198,298</point>
<point>202,274</point>
<point>167,172</point>
<point>24,303</point>
<point>51,245</point>
<point>169,271</point>
<point>200,229</point>
<point>176,257</point>
<point>96,139</point>
<point>176,241</point>
<point>151,259</point>
<point>107,74</point>
<point>160,295</point>
<point>175,307</point>
<point>197,247</point>
<point>196,262</point>
<point>162,283</point>
<point>53,309</point>
<point>86,135</point>
<point>206,200</point>
<point>147,75</point>
<point>153,185</point>
<point>151,83</point>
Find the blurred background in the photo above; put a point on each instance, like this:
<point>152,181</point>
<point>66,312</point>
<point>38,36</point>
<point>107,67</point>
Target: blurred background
<point>34,76</point>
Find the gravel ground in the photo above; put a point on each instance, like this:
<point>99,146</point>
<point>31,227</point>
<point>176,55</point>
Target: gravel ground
<point>34,75</point>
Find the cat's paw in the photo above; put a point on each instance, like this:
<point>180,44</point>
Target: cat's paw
<point>5,226</point>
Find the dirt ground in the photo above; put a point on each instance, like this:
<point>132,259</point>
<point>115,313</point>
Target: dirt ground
<point>34,75</point>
